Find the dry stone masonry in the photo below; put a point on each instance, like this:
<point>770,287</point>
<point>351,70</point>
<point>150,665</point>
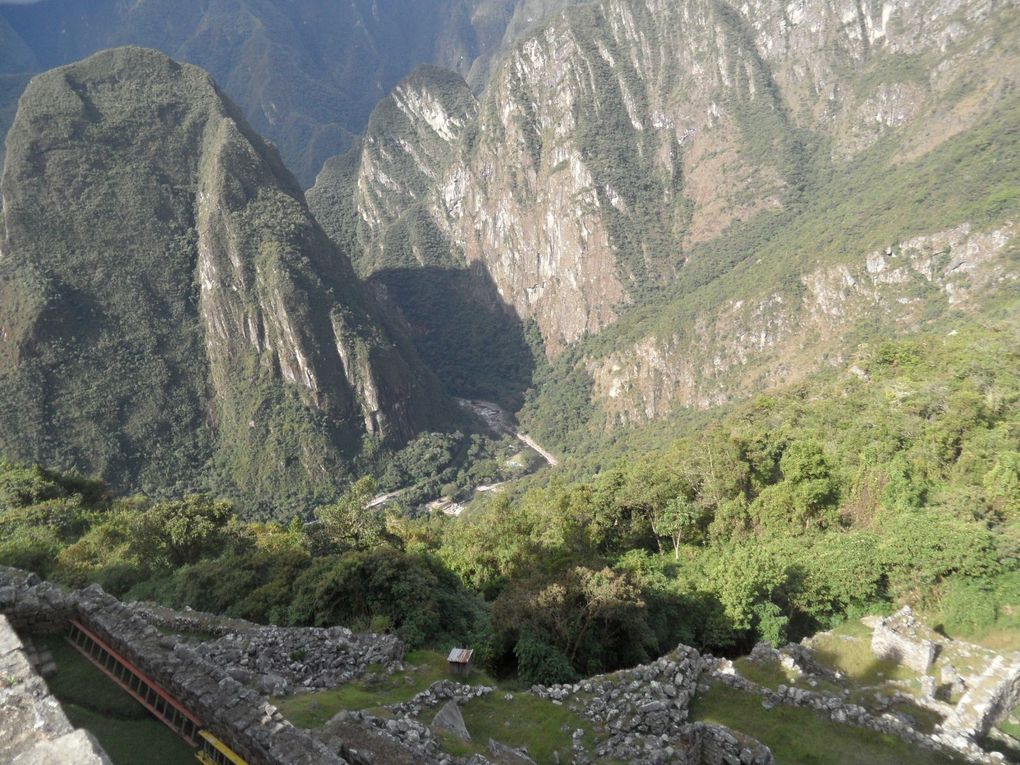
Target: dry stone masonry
<point>238,715</point>
<point>281,660</point>
<point>645,710</point>
<point>33,728</point>
<point>967,703</point>
<point>222,670</point>
<point>903,639</point>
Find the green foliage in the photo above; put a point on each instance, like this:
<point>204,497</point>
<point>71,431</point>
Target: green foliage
<point>540,663</point>
<point>475,344</point>
<point>175,533</point>
<point>348,524</point>
<point>423,602</point>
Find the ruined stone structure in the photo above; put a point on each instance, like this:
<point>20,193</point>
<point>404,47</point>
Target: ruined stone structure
<point>33,728</point>
<point>646,708</point>
<point>236,714</point>
<point>984,699</point>
<point>641,714</point>
<point>991,697</point>
<point>903,639</point>
<point>841,711</point>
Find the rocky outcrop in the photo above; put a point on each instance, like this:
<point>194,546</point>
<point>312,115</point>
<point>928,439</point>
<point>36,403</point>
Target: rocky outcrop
<point>449,720</point>
<point>742,345</point>
<point>179,298</point>
<point>616,138</point>
<point>33,728</point>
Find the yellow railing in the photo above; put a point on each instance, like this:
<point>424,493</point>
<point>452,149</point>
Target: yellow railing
<point>215,752</point>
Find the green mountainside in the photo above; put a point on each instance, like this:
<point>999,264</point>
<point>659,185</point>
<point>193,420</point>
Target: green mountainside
<point>306,74</point>
<point>746,276</point>
<point>169,310</point>
<point>374,202</point>
<point>695,202</point>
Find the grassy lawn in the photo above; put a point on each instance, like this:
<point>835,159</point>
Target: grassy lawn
<point>1011,728</point>
<point>128,733</point>
<point>772,675</point>
<point>852,656</point>
<point>854,628</point>
<point>421,669</point>
<point>801,737</point>
<point>926,719</point>
<point>769,675</point>
<point>525,720</point>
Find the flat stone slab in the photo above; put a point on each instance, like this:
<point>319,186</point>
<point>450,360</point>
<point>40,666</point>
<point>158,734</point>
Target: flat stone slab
<point>450,720</point>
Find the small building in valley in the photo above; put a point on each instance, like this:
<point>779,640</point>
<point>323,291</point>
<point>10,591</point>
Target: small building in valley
<point>460,661</point>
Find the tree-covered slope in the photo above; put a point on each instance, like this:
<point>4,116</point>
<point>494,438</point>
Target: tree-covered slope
<point>170,310</point>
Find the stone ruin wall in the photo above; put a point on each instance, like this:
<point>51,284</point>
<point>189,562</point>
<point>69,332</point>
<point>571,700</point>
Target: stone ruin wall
<point>901,638</point>
<point>645,709</point>
<point>33,728</point>
<point>840,711</point>
<point>989,698</point>
<point>238,715</point>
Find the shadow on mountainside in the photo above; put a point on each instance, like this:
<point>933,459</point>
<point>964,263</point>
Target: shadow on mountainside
<point>475,343</point>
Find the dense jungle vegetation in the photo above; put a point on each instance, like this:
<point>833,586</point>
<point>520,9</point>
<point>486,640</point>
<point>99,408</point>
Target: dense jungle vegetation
<point>896,482</point>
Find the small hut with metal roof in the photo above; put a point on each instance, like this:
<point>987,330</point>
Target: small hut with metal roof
<point>460,661</point>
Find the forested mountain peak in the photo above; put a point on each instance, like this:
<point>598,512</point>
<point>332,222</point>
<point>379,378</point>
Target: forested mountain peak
<point>170,307</point>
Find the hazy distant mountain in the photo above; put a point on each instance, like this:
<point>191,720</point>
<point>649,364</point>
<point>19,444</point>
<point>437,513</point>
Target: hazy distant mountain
<point>700,200</point>
<point>306,74</point>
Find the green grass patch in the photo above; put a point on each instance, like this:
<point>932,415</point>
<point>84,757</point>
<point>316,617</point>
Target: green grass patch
<point>800,737</point>
<point>525,720</point>
<point>768,675</point>
<point>1011,725</point>
<point>854,628</point>
<point>926,718</point>
<point>854,659</point>
<point>92,701</point>
<point>78,682</point>
<point>129,742</point>
<point>375,689</point>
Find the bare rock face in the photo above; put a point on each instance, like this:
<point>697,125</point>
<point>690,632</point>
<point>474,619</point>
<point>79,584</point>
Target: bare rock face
<point>169,301</point>
<point>409,140</point>
<point>449,720</point>
<point>592,139</point>
<point>616,145</point>
<point>728,351</point>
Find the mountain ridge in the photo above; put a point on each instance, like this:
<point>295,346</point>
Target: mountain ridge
<point>169,299</point>
<point>636,167</point>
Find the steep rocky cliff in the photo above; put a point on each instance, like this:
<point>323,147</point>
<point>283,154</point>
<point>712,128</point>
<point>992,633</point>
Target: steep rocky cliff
<point>643,166</point>
<point>375,201</point>
<point>407,144</point>
<point>169,307</point>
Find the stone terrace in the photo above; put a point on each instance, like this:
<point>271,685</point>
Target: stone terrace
<point>33,728</point>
